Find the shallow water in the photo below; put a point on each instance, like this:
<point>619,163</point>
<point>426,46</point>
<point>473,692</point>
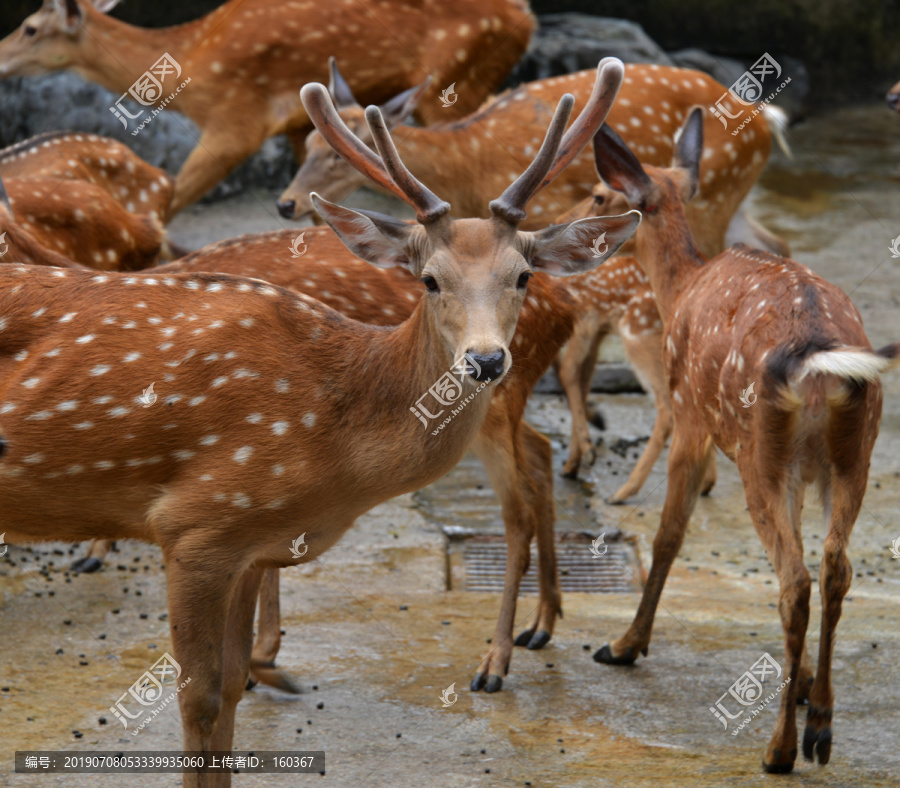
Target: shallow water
<point>373,629</point>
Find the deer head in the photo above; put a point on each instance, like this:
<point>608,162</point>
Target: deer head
<point>49,39</point>
<point>323,171</point>
<point>475,271</point>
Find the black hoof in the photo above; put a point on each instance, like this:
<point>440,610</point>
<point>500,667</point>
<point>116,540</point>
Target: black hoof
<point>251,683</point>
<point>818,742</point>
<point>540,639</point>
<point>87,564</point>
<point>605,657</point>
<point>598,420</point>
<point>494,684</point>
<point>524,638</point>
<point>613,501</point>
<point>778,768</point>
<point>478,682</point>
<point>569,474</point>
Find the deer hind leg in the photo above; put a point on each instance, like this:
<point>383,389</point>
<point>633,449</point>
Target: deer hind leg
<point>93,559</point>
<point>688,457</point>
<point>217,153</point>
<point>268,639</point>
<point>645,354</point>
<point>500,450</point>
<point>770,502</point>
<point>236,656</point>
<point>538,454</point>
<point>575,372</point>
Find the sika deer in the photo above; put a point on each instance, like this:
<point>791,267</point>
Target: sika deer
<point>750,317</point>
<point>246,59</point>
<point>226,497</point>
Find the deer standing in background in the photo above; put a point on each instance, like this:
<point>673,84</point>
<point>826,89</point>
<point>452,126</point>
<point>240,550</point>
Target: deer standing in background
<point>469,160</point>
<point>246,59</point>
<point>747,317</point>
<point>289,418</point>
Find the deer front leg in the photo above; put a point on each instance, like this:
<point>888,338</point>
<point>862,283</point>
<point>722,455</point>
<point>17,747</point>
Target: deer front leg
<point>538,484</point>
<point>93,559</point>
<point>219,150</point>
<point>496,447</point>
<point>268,639</point>
<point>576,368</point>
<point>688,457</point>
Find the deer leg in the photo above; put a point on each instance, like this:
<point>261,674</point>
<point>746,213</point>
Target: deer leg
<point>575,371</point>
<point>236,656</point>
<point>645,354</point>
<point>539,456</point>
<point>215,155</point>
<point>93,559</point>
<point>496,447</point>
<point>200,597</point>
<point>688,457</point>
<point>268,639</point>
<point>772,505</point>
<point>835,576</point>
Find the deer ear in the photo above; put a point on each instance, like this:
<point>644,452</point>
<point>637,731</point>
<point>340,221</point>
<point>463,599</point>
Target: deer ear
<point>566,249</point>
<point>105,6</point>
<point>399,108</point>
<point>619,168</point>
<point>378,239</point>
<point>689,148</point>
<point>4,200</point>
<point>70,13</point>
<point>340,91</point>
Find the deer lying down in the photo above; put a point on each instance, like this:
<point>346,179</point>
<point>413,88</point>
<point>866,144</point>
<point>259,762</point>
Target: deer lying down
<point>291,419</point>
<point>750,317</point>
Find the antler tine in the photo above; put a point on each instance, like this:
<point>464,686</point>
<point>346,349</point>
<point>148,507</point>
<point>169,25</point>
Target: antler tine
<point>610,73</point>
<point>429,207</point>
<point>511,204</point>
<point>346,144</point>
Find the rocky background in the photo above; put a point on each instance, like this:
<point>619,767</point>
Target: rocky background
<point>836,51</point>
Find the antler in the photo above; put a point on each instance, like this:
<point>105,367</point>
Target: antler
<point>390,173</point>
<point>511,204</point>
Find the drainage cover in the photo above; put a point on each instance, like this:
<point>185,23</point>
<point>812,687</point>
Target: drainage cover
<point>476,561</point>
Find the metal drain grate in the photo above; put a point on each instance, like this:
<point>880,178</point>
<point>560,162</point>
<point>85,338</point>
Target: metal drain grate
<point>477,562</point>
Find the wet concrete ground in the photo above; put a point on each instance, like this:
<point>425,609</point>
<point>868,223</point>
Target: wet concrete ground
<point>374,637</point>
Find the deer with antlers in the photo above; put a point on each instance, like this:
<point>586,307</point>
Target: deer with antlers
<point>468,160</point>
<point>303,384</point>
<point>748,317</point>
<point>246,59</point>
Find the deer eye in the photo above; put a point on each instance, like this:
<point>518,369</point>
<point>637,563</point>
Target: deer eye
<point>522,281</point>
<point>599,199</point>
<point>30,31</point>
<point>430,284</point>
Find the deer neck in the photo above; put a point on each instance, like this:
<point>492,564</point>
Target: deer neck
<point>391,450</point>
<point>114,54</point>
<point>666,250</point>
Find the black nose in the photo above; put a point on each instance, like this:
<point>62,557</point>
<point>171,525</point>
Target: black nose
<point>286,208</point>
<point>893,99</point>
<point>489,367</point>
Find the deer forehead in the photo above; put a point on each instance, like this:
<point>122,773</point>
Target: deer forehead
<point>477,245</point>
